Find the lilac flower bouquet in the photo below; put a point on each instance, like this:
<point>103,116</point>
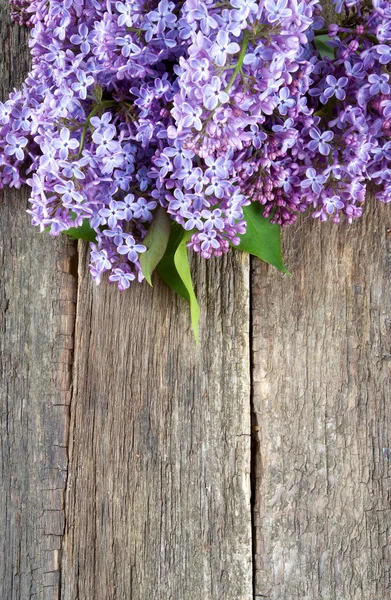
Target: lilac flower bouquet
<point>149,127</point>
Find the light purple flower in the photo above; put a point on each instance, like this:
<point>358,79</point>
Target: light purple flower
<point>82,84</point>
<point>335,87</point>
<point>68,192</point>
<point>277,10</point>
<point>208,239</point>
<point>65,143</point>
<point>191,117</point>
<point>142,209</point>
<point>131,249</point>
<point>125,9</point>
<point>105,142</point>
<point>379,83</point>
<point>112,214</point>
<point>314,181</point>
<point>213,94</point>
<point>320,141</point>
<point>223,46</point>
<point>122,278</point>
<point>285,101</point>
<point>334,203</point>
<point>384,53</point>
<point>83,38</point>
<point>15,145</point>
<point>213,219</point>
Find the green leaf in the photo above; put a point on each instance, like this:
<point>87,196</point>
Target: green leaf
<point>323,48</point>
<point>262,239</point>
<point>174,269</point>
<point>156,242</point>
<point>84,232</point>
<point>166,267</point>
<point>181,260</point>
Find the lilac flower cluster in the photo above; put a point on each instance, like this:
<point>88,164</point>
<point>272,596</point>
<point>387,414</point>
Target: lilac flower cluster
<point>351,98</point>
<point>199,107</point>
<point>19,11</point>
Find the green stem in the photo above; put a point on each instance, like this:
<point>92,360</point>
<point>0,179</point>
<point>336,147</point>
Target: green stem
<point>95,110</point>
<point>239,64</point>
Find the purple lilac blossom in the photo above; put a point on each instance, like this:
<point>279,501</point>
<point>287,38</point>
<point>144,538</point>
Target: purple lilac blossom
<point>198,107</point>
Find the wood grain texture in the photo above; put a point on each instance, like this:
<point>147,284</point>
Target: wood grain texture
<point>37,308</point>
<point>321,382</point>
<point>158,496</point>
<point>127,476</point>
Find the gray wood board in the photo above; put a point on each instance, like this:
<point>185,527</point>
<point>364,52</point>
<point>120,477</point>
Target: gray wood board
<point>158,495</point>
<point>153,498</point>
<point>321,382</point>
<point>37,307</point>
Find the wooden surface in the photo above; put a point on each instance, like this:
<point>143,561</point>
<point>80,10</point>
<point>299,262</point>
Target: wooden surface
<point>36,338</point>
<point>128,470</point>
<point>37,306</point>
<point>158,495</point>
<point>321,398</point>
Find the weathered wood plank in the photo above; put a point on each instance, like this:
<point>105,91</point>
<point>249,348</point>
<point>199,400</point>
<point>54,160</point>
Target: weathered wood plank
<point>321,374</point>
<point>37,307</point>
<point>158,496</point>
